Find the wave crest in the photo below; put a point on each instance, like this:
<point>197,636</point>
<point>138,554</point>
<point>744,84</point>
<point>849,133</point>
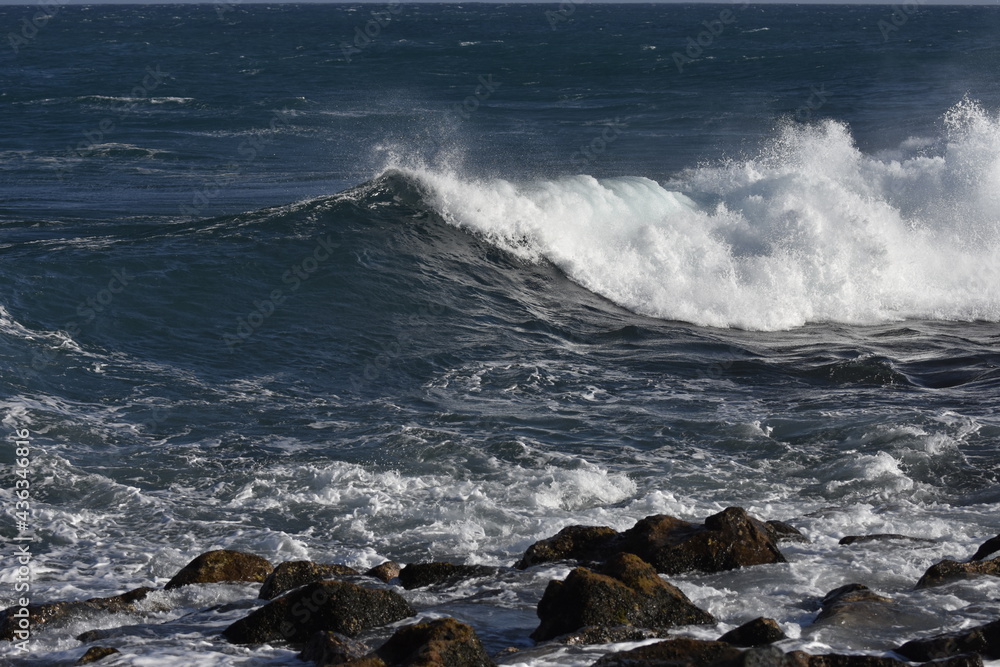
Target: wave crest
<point>810,230</point>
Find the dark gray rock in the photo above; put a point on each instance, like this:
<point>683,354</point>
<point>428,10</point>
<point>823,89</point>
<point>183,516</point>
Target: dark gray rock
<point>55,613</point>
<point>983,640</point>
<point>758,632</point>
<point>292,574</point>
<point>578,543</point>
<point>336,606</point>
<point>421,575</point>
<point>331,648</point>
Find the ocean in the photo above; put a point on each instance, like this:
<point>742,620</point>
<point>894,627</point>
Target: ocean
<point>430,282</point>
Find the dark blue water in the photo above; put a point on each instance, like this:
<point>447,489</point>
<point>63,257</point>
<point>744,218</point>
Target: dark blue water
<point>434,291</point>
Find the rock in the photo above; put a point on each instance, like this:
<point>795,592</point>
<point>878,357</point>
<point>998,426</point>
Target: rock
<point>624,591</point>
<point>579,543</point>
<point>801,659</point>
<point>95,653</point>
<point>602,634</point>
<point>292,574</point>
<point>784,532</point>
<point>879,537</point>
<point>679,652</point>
<point>337,606</point>
<point>983,640</point>
<point>443,642</point>
<point>387,571</point>
<point>990,546</point>
<point>420,575</point>
<point>331,648</point>
<point>728,540</point>
<point>57,612</point>
<point>757,632</point>
<point>949,570</point>
<point>221,565</point>
<point>853,604</point>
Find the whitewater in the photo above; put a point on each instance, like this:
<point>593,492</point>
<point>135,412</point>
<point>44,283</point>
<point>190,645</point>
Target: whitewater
<point>393,330</point>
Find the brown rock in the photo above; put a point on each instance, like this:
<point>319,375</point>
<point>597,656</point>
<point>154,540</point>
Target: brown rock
<point>420,575</point>
<point>679,652</point>
<point>853,604</point>
<point>221,565</point>
<point>949,570</point>
<point>728,540</point>
<point>579,543</point>
<point>757,632</point>
<point>331,648</point>
<point>625,591</point>
<point>443,642</point>
<point>387,571</point>
<point>292,574</point>
<point>988,547</point>
<point>336,606</point>
<point>801,659</point>
<point>983,640</point>
<point>95,653</point>
<point>58,612</point>
<point>881,537</point>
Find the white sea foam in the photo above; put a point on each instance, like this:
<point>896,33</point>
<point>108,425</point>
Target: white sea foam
<point>810,230</point>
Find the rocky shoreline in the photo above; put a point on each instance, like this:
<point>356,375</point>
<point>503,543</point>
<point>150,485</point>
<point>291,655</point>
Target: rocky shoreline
<point>617,592</point>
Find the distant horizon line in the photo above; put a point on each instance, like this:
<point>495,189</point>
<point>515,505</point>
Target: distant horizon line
<point>859,3</point>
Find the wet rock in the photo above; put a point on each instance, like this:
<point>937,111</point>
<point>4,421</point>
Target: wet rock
<point>801,659</point>
<point>881,537</point>
<point>757,632</point>
<point>579,543</point>
<point>386,572</point>
<point>331,648</point>
<point>221,565</point>
<point>602,634</point>
<point>988,547</point>
<point>96,653</point>
<point>983,640</point>
<point>784,532</point>
<point>728,540</point>
<point>624,591</point>
<point>13,618</point>
<point>336,606</point>
<point>421,575</point>
<point>949,570</point>
<point>853,604</point>
<point>679,652</point>
<point>292,574</point>
<point>443,642</point>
